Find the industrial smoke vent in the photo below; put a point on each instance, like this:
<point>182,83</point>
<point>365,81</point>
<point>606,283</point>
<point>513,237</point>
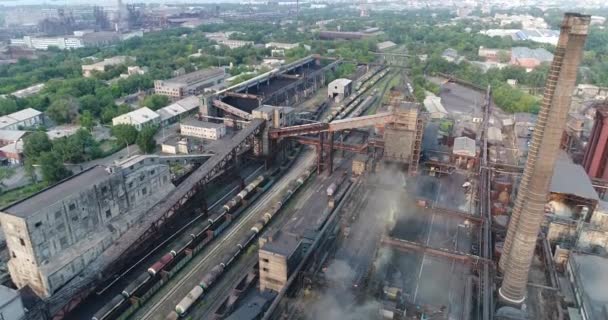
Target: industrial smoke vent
<point>532,196</point>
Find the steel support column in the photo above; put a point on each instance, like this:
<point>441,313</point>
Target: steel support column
<point>330,154</point>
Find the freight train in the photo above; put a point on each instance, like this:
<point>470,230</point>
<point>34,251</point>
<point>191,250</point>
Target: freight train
<point>179,254</point>
<point>216,272</point>
<point>356,99</point>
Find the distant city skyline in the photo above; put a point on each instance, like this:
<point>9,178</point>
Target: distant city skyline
<point>110,3</point>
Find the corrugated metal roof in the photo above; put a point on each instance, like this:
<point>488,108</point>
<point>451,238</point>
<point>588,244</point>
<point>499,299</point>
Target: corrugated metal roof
<point>527,53</point>
<point>570,178</point>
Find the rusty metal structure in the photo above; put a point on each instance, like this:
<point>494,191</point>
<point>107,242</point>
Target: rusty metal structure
<point>528,212</point>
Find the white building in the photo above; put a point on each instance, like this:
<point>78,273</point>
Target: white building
<point>64,42</point>
<point>280,45</point>
<point>339,89</point>
<point>25,118</point>
<point>202,129</point>
<point>139,118</point>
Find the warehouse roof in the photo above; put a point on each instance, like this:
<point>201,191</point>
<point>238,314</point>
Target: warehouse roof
<point>570,178</point>
<point>11,135</point>
<point>201,124</point>
<point>57,192</point>
<point>25,114</point>
<point>340,82</point>
<point>591,276</point>
<point>6,121</point>
<point>540,54</point>
<point>189,103</point>
<point>139,116</point>
<point>195,76</point>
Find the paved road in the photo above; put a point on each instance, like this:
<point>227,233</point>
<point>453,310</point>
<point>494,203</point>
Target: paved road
<point>165,300</point>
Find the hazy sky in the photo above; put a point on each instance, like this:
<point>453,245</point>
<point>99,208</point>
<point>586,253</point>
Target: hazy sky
<point>99,2</point>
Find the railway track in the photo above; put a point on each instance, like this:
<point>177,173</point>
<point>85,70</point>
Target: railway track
<point>169,299</point>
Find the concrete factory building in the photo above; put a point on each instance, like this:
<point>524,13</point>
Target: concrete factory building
<point>339,89</point>
<point>88,69</point>
<point>202,129</point>
<point>595,162</point>
<point>26,118</point>
<point>54,234</point>
<point>277,117</point>
<point>189,84</point>
<point>139,118</point>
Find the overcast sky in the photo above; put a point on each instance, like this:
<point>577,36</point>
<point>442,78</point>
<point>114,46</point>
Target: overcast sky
<point>100,2</point>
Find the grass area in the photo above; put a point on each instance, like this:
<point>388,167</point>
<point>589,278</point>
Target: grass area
<point>390,81</point>
<point>20,193</point>
<point>109,147</point>
<point>6,172</point>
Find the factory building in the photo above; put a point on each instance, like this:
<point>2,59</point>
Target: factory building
<point>529,58</point>
<point>279,255</point>
<point>178,110</point>
<point>339,89</point>
<point>202,129</point>
<point>596,154</point>
<point>189,84</point>
<point>26,118</point>
<point>11,136</point>
<point>54,234</point>
<point>139,118</point>
<point>276,117</point>
<point>336,35</point>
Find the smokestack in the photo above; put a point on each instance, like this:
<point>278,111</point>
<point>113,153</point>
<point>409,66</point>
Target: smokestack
<point>532,196</point>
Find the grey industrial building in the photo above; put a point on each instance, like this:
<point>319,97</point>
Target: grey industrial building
<point>189,84</point>
<point>54,234</point>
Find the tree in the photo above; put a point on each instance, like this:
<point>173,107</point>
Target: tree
<point>52,167</point>
<point>125,134</point>
<point>36,143</point>
<point>145,139</point>
<point>86,120</point>
<point>63,110</point>
<point>503,56</point>
<point>155,101</point>
<point>30,171</point>
<point>90,103</point>
<point>7,105</point>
